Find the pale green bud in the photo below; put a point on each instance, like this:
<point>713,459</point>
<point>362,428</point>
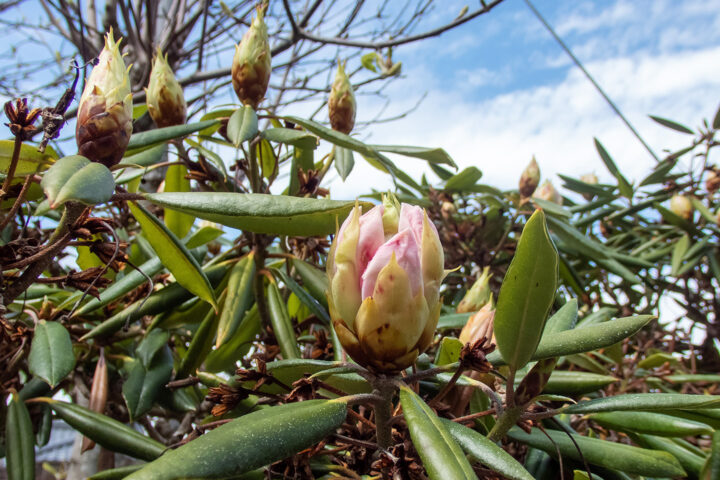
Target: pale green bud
<point>478,295</point>
<point>681,206</point>
<point>165,99</point>
<point>252,65</point>
<point>529,179</point>
<point>341,104</point>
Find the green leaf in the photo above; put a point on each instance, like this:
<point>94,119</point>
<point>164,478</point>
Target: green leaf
<point>575,383</point>
<point>585,339</point>
<point>223,359</point>
<point>691,462</point>
<point>106,431</point>
<point>344,162</point>
<point>486,452</point>
<point>526,294</point>
<point>448,351</point>
<point>625,187</point>
<point>585,245</point>
<point>144,383</point>
<point>29,161</point>
<point>51,354</point>
<point>146,158</point>
<point>646,402</point>
<point>281,324</point>
<point>463,180</point>
<point>260,213</point>
<point>431,155</point>
<point>173,253</point>
<point>267,160</point>
<point>239,298</point>
<point>563,319</point>
<point>242,126</point>
<point>713,463</point>
<point>200,345</point>
<point>314,280</point>
<point>175,181</point>
<point>75,178</point>
<point>651,423</point>
<point>202,236</point>
<point>453,320</point>
<point>308,300</point>
<point>368,61</point>
<point>334,137</point>
<point>150,345</point>
<point>249,442</point>
<point>672,125</point>
<point>616,456</point>
<point>681,247</point>
<point>441,456</point>
<point>115,473</point>
<point>162,135</point>
<point>19,445</point>
<point>290,136</point>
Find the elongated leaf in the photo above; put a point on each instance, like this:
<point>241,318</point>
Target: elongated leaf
<point>161,135</point>
<point>243,125</point>
<point>431,155</point>
<point>151,345</point>
<point>30,160</point>
<point>486,452</point>
<point>105,431</point>
<point>681,247</point>
<point>691,462</point>
<point>314,280</point>
<point>223,358</point>
<point>144,383</point>
<point>200,345</point>
<point>574,383</point>
<point>313,305</point>
<point>625,187</point>
<point>646,402</point>
<point>441,456</point>
<point>239,298</point>
<point>713,463</point>
<point>563,319</point>
<point>334,137</point>
<point>51,355</point>
<point>463,180</point>
<point>115,473</point>
<point>173,254</point>
<point>586,339</point>
<point>19,445</point>
<point>249,442</point>
<point>651,423</point>
<point>526,294</point>
<point>282,326</point>
<point>260,213</point>
<point>344,162</point>
<point>290,136</point>
<point>616,456</point>
<point>175,181</point>
<point>672,125</point>
<point>578,241</point>
<point>453,320</point>
<point>75,178</point>
<point>117,289</point>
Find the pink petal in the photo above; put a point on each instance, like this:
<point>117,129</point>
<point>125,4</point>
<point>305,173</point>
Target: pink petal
<point>407,254</point>
<point>371,237</point>
<point>411,217</point>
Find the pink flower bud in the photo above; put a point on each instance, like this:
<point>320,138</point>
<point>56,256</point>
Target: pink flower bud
<point>384,285</point>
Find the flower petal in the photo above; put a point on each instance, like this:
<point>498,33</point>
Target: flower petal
<point>407,255</point>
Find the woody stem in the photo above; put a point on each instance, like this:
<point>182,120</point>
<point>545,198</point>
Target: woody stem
<point>383,412</point>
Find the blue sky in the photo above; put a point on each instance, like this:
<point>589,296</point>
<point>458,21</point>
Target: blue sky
<point>500,89</point>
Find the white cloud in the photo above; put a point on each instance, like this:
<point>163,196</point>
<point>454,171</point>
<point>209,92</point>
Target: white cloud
<point>557,122</point>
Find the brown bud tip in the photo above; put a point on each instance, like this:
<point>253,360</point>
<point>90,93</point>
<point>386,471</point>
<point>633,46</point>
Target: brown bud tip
<point>341,104</point>
<point>165,99</point>
<point>529,179</point>
<point>251,65</point>
<point>104,122</point>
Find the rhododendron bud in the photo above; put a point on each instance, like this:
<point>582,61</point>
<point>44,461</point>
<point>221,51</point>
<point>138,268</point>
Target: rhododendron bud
<point>478,295</point>
<point>480,325</point>
<point>165,99</point>
<point>384,285</point>
<point>341,104</point>
<point>712,181</point>
<point>547,192</point>
<point>591,179</point>
<point>681,206</point>
<point>104,121</point>
<point>251,65</point>
<point>529,179</point>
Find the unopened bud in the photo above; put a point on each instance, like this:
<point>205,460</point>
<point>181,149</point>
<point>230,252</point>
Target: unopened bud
<point>547,192</point>
<point>591,179</point>
<point>529,179</point>
<point>712,181</point>
<point>447,209</point>
<point>165,99</point>
<point>681,206</point>
<point>104,122</point>
<point>341,104</point>
<point>391,213</point>
<point>480,325</point>
<point>251,65</point>
<point>478,295</point>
